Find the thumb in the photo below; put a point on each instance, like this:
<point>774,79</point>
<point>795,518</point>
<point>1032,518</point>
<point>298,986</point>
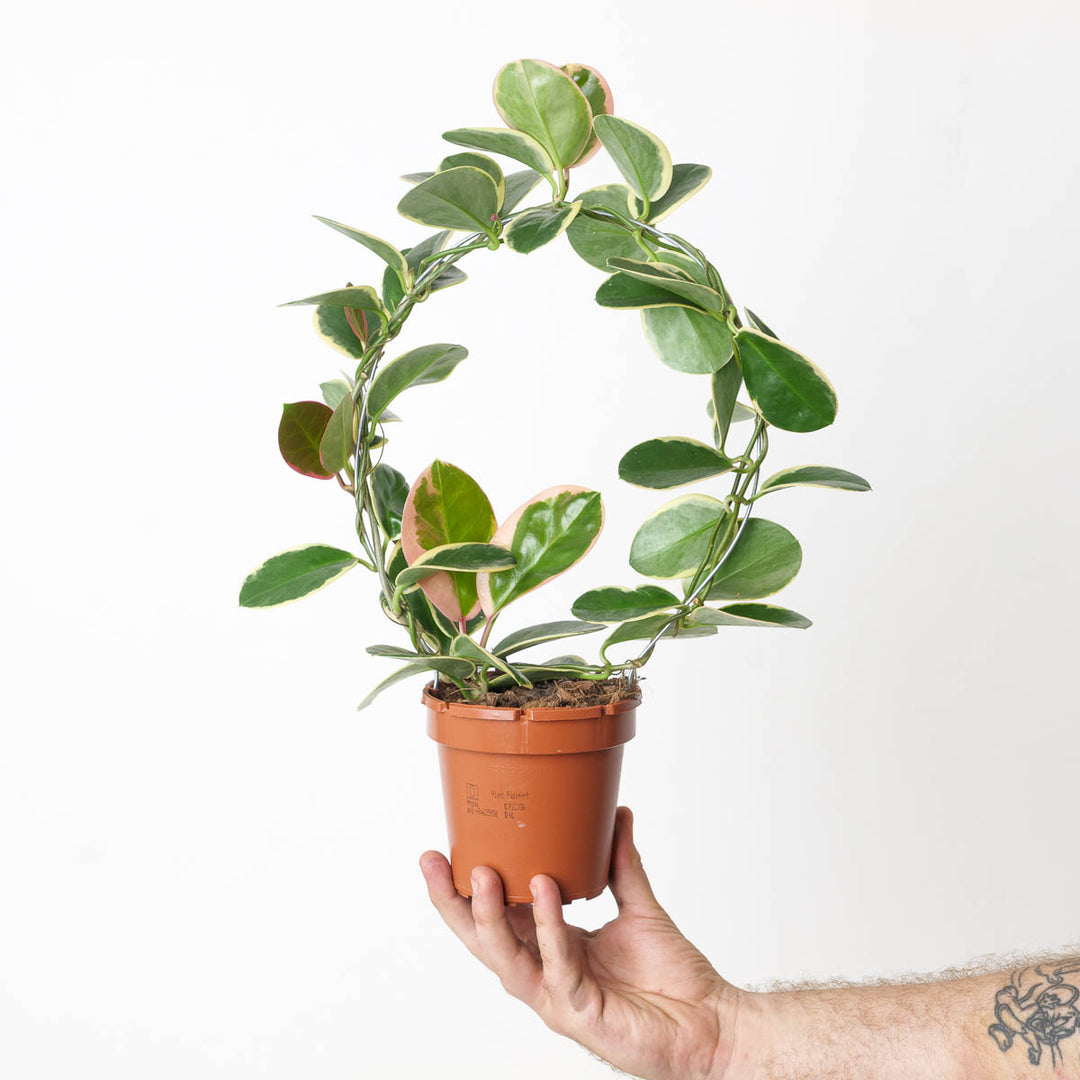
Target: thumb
<point>629,884</point>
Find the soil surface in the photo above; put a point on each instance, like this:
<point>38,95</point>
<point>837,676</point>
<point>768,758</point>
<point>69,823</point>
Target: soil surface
<point>574,693</point>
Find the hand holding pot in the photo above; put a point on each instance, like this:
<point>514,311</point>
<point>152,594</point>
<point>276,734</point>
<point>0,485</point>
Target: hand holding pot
<point>636,992</point>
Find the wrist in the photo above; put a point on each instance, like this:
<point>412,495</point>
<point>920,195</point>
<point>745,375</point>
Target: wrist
<point>745,1021</point>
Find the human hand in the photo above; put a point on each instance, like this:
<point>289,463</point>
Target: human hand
<point>635,992</point>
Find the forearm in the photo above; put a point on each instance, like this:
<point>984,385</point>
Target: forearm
<point>1007,1025</point>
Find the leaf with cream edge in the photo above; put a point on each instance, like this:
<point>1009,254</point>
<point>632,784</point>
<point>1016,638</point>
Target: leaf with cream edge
<point>447,506</point>
<point>548,535</point>
<point>688,340</point>
<point>363,297</point>
<point>748,615</point>
<point>813,476</point>
<point>616,603</point>
<point>300,433</point>
<point>673,541</point>
<point>518,185</point>
<point>541,100</point>
<point>477,161</point>
<point>597,241</point>
<point>643,629</point>
<point>464,198</point>
<point>333,326</point>
<point>534,228</point>
<point>598,94</point>
<point>511,144</point>
<point>386,251</point>
<point>673,278</point>
<point>764,559</point>
<point>465,557</point>
<point>464,646</point>
<point>543,632</point>
<point>425,249</point>
<point>433,624</point>
<point>339,439</point>
<point>389,491</point>
<point>418,367</point>
<point>638,154</point>
<point>786,388</point>
<point>671,462</point>
<point>294,573</point>
<point>686,182</point>
<point>625,291</point>
<point>725,385</point>
<point>454,669</point>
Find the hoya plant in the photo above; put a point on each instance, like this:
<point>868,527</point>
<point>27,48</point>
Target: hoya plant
<point>447,567</point>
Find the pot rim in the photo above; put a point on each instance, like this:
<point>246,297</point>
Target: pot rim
<point>513,713</point>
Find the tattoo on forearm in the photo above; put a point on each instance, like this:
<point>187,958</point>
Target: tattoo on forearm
<point>1039,1005</point>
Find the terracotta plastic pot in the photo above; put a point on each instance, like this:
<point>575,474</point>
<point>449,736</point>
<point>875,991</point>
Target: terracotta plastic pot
<point>531,791</point>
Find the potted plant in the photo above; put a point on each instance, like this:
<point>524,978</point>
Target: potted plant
<point>531,745</point>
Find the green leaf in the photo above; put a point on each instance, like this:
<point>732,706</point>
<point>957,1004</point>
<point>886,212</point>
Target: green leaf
<point>544,102</point>
<point>672,278</point>
<point>338,442</point>
<point>762,561</point>
<point>597,241</point>
<point>430,245</point>
<point>453,669</point>
<point>363,297</point>
<point>334,390</point>
<point>299,435</point>
<point>725,389</point>
<point>537,635</point>
<point>511,144</point>
<point>548,535</point>
<point>294,573</point>
<point>415,177</point>
<point>392,292</point>
<point>787,389</point>
<point>644,629</point>
<point>616,603</point>
<point>333,326</point>
<point>534,228</point>
<point>671,462</point>
<point>597,93</point>
<point>389,490</point>
<point>673,541</point>
<point>447,506</point>
<point>624,291</point>
<point>758,324</point>
<point>432,623</point>
<point>418,367</point>
<point>450,275</point>
<point>395,652</point>
<point>638,154</point>
<point>477,161</point>
<point>686,181</point>
<point>464,646</point>
<point>387,252</point>
<point>748,615</point>
<point>518,185</point>
<point>559,668</point>
<point>462,198</point>
<point>814,476</point>
<point>688,340</point>
<point>467,557</point>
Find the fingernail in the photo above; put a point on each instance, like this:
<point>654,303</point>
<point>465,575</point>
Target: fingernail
<point>532,889</point>
<point>475,883</point>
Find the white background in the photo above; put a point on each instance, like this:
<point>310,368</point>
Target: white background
<point>209,858</point>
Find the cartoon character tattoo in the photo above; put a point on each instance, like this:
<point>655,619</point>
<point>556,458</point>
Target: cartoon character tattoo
<point>1039,1005</point>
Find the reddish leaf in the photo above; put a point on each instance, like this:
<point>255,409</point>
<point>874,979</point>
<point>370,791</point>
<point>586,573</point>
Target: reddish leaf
<point>299,435</point>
